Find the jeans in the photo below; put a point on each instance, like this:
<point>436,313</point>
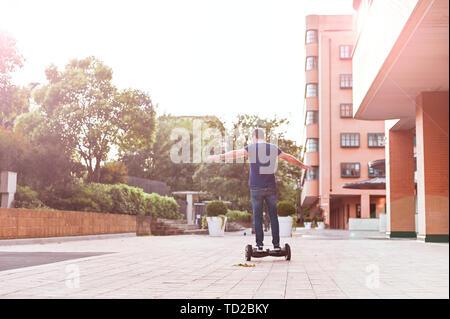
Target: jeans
<point>258,196</point>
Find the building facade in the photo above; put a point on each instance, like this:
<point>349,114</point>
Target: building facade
<point>401,64</point>
<point>337,145</point>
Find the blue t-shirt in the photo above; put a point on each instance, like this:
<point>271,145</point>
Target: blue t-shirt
<point>263,164</point>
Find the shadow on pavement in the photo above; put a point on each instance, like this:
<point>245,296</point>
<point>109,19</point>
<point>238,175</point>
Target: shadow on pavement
<point>14,260</point>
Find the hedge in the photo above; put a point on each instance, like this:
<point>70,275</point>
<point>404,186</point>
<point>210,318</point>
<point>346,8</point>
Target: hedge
<point>239,216</point>
<point>106,198</point>
<point>25,197</point>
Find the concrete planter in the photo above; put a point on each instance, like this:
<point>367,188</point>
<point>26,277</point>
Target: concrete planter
<point>320,225</point>
<point>216,226</point>
<point>143,225</point>
<point>285,223</point>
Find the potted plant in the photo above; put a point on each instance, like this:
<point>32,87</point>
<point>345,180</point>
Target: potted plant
<point>286,210</point>
<point>215,217</point>
<point>319,222</point>
<point>307,220</point>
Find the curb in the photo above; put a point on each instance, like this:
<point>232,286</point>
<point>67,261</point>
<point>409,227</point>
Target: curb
<point>33,241</point>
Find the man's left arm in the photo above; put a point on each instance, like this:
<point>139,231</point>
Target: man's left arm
<point>292,160</point>
<point>228,155</point>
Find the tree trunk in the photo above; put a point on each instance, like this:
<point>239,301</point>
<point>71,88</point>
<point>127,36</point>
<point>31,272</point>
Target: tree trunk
<point>96,173</point>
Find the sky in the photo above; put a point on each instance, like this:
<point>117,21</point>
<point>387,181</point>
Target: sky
<point>193,57</point>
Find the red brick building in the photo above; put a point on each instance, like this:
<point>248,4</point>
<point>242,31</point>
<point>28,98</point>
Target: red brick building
<point>401,75</point>
<point>338,146</point>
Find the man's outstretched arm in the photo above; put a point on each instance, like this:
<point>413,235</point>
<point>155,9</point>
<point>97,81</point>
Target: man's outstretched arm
<point>228,155</point>
<point>292,160</point>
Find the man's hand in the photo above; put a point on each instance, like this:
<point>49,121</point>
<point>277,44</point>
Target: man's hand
<point>292,160</point>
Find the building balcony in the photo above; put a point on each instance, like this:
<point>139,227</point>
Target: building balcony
<point>312,158</point>
<point>310,192</point>
<point>311,49</point>
<point>312,104</point>
<point>312,131</point>
<point>312,76</point>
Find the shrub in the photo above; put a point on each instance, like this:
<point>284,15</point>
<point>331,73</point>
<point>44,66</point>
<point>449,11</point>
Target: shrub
<point>106,198</point>
<point>286,208</point>
<point>216,208</point>
<point>294,222</point>
<point>25,197</point>
<point>127,199</point>
<point>307,219</point>
<point>239,216</point>
<point>113,173</point>
<point>162,207</point>
<point>71,196</point>
<point>100,195</point>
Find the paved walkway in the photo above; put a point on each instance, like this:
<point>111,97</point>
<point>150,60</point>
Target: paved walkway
<point>325,264</point>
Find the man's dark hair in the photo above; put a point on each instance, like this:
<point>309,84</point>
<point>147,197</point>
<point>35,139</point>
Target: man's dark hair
<point>258,133</point>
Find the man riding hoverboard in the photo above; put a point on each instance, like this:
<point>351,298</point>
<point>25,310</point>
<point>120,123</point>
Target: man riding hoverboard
<point>263,160</point>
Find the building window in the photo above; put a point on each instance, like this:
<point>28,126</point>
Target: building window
<point>312,174</point>
<point>358,210</point>
<point>349,139</point>
<point>350,170</point>
<point>311,36</point>
<point>311,63</point>
<point>312,117</point>
<point>346,81</point>
<point>311,90</point>
<point>347,110</point>
<point>375,139</point>
<point>376,172</point>
<point>312,145</point>
<point>345,51</point>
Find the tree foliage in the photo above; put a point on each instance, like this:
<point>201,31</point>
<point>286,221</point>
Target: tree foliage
<point>14,100</point>
<point>91,116</point>
<point>230,181</point>
<point>155,162</point>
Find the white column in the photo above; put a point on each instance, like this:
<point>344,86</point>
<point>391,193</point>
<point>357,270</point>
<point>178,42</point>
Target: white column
<point>8,182</point>
<point>190,209</point>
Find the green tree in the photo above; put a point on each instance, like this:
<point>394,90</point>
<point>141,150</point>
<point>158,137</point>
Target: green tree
<point>91,116</point>
<point>113,173</point>
<point>40,159</point>
<point>229,181</point>
<point>155,162</point>
<point>14,100</point>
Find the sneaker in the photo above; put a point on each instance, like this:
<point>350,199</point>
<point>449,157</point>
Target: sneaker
<point>276,248</point>
<point>259,248</point>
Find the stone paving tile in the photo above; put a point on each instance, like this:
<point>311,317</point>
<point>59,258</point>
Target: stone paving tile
<point>198,266</point>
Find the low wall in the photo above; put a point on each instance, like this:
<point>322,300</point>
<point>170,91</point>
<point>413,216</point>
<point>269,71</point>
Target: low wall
<point>363,224</point>
<point>31,223</point>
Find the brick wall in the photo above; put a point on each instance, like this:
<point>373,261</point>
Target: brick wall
<point>432,127</point>
<point>31,223</point>
<point>401,181</point>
